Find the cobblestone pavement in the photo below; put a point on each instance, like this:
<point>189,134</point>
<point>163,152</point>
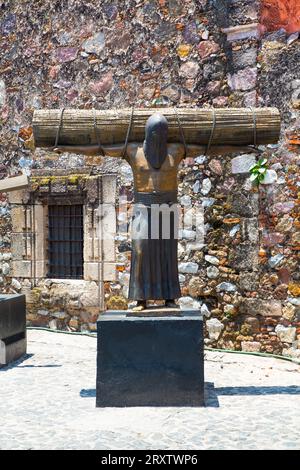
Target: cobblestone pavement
<point>47,401</point>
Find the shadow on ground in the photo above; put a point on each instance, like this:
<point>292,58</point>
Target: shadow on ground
<point>17,364</point>
<point>211,392</point>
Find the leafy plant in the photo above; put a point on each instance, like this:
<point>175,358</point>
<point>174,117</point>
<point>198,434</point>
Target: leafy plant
<point>258,171</point>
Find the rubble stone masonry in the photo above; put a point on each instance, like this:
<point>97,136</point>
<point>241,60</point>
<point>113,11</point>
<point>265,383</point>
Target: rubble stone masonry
<point>245,276</point>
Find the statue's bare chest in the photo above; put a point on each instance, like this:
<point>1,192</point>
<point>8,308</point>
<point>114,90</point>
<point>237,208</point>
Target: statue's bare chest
<point>139,163</point>
<point>147,178</point>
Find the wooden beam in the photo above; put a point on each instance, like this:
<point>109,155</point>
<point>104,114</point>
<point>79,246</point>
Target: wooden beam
<point>13,184</point>
<point>233,126</point>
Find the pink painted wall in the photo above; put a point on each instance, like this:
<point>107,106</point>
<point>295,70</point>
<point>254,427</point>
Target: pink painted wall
<point>276,14</point>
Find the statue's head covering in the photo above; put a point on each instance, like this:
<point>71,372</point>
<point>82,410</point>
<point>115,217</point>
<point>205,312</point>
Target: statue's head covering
<point>156,140</point>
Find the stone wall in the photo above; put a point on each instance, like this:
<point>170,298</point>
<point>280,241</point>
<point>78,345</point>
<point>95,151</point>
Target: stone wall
<point>195,53</point>
<point>68,303</point>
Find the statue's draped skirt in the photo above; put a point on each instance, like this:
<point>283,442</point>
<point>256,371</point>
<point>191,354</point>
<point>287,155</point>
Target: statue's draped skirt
<point>154,265</point>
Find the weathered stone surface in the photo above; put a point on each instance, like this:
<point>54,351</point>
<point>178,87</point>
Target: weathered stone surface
<point>189,267</point>
<point>294,301</point>
<point>280,292</point>
<point>272,238</point>
<point>189,69</point>
<point>5,267</point>
<point>206,186</point>
<point>95,44</point>
<point>216,167</point>
<point>117,303</point>
<point>294,288</point>
<point>186,200</point>
<point>196,287</point>
<point>94,272</point>
<point>275,260</point>
<point>243,31</point>
<point>288,312</point>
<point>205,311</point>
<point>59,315</point>
<point>244,256</point>
<point>172,92</point>
<point>283,207</point>
<point>220,101</point>
<point>207,48</point>
<point>250,99</point>
<point>103,85</point>
<point>286,334</point>
<point>253,324</point>
<point>90,297</point>
<point>266,308</point>
<point>214,87</point>
<point>242,163</point>
<point>65,54</point>
<point>249,230</point>
<point>270,177</point>
<point>43,312</point>
<point>248,281</point>
<point>16,284</point>
<point>214,328</point>
<point>21,269</point>
<point>245,205</point>
<point>243,58</point>
<point>226,287</point>
<point>2,93</point>
<point>186,303</point>
<point>251,346</point>
<point>212,272</point>
<point>243,79</point>
<point>196,187</point>
<point>229,309</point>
<point>212,260</point>
<point>190,33</point>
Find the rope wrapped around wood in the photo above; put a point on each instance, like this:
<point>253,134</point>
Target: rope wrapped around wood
<point>254,127</point>
<point>59,127</point>
<point>124,154</point>
<point>212,131</point>
<point>181,133</point>
<point>234,127</point>
<point>97,133</point>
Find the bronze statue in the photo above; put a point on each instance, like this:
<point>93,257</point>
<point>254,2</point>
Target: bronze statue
<point>154,267</point>
<point>154,272</point>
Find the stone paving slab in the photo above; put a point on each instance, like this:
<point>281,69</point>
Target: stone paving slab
<point>47,401</point>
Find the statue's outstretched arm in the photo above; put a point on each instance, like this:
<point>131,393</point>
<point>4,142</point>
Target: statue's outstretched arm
<point>116,150</point>
<point>193,151</point>
<point>92,150</point>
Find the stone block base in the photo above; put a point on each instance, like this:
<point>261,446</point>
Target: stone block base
<point>153,358</point>
<point>12,351</point>
<point>12,328</point>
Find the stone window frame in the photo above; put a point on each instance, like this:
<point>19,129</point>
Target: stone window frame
<point>61,201</point>
<point>29,215</point>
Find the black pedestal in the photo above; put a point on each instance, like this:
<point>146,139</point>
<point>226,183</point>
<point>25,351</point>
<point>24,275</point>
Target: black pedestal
<point>150,360</point>
<point>12,328</point>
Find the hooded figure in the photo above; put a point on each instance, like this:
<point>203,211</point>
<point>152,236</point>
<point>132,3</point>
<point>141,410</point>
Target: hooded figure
<point>154,266</point>
<point>156,140</point>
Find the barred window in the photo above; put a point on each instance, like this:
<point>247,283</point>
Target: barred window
<point>65,241</point>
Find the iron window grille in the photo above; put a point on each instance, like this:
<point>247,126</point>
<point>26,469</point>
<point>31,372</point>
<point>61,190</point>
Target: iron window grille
<point>65,241</point>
